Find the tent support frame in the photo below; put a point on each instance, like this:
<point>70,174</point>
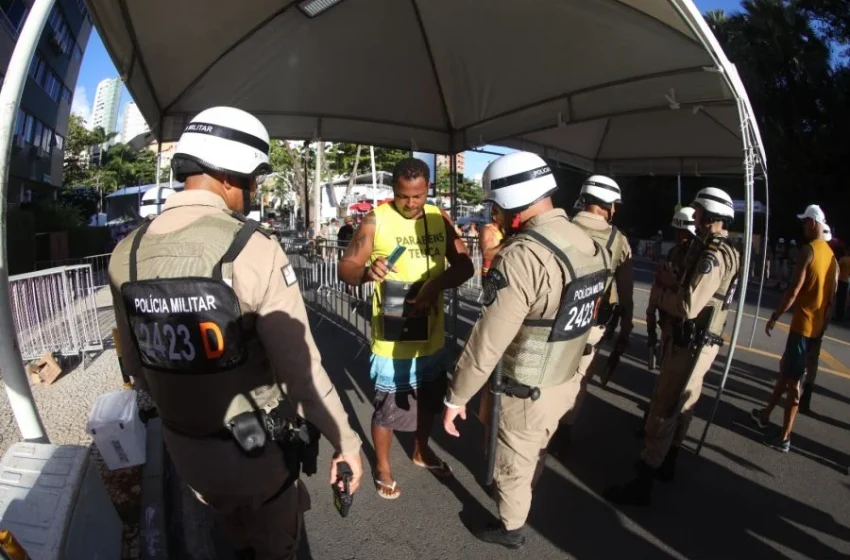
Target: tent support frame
<point>15,376</point>
<point>749,178</point>
<point>453,183</point>
<point>764,245</point>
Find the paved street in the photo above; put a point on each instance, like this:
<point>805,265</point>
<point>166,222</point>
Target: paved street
<point>738,499</point>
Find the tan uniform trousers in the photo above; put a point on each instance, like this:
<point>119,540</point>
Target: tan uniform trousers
<point>666,346</point>
<point>525,428</point>
<point>676,394</point>
<point>242,491</point>
<point>579,383</point>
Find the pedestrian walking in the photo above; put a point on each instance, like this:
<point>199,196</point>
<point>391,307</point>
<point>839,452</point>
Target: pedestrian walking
<point>812,294</point>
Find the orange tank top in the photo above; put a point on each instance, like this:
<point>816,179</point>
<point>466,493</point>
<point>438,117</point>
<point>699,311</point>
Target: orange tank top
<point>810,308</point>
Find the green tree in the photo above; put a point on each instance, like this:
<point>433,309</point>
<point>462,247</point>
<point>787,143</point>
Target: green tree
<point>77,143</point>
<point>799,95</point>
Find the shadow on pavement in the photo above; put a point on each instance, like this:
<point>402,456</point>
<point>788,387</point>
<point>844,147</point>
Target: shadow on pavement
<point>708,512</point>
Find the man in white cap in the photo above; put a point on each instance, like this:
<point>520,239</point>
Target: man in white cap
<point>812,293</point>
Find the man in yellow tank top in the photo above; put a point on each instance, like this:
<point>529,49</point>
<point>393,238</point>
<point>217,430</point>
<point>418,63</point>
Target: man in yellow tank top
<point>812,293</point>
<point>407,363</point>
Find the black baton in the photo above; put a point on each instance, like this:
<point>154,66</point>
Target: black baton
<point>497,387</point>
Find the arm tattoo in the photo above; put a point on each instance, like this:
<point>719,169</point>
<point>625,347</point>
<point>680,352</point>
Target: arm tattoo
<point>355,246</point>
<point>359,240</point>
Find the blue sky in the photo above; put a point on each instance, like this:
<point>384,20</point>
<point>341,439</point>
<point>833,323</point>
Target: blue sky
<point>97,66</point>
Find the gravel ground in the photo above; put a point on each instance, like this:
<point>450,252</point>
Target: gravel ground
<point>64,408</point>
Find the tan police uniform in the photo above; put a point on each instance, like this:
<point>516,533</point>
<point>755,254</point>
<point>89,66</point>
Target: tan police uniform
<point>525,323</point>
<point>201,380</point>
<point>621,293</point>
<point>654,315</point>
<point>704,299</point>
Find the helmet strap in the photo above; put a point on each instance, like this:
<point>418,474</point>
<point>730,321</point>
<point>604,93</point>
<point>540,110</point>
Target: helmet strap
<point>246,201</point>
<point>516,222</point>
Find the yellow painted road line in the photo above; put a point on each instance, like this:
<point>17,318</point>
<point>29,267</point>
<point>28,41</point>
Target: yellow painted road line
<point>843,373</point>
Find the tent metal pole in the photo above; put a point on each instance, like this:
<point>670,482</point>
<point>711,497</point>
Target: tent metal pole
<point>679,187</point>
<point>320,149</point>
<point>158,162</point>
<point>764,256</point>
<point>453,183</point>
<point>374,178</point>
<point>749,171</point>
<point>11,362</point>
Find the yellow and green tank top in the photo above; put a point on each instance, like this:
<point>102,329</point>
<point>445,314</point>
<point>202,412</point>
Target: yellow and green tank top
<point>423,259</point>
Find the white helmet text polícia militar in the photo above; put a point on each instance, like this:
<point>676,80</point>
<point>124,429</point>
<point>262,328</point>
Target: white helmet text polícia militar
<point>717,204</point>
<point>516,181</point>
<point>222,139</point>
<point>684,219</point>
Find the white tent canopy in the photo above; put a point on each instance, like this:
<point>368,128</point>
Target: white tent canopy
<point>618,86</point>
<point>623,85</point>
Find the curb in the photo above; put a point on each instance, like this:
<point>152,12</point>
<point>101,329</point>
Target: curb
<point>153,533</point>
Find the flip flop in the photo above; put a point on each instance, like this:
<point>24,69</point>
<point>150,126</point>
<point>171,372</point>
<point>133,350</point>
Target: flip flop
<point>392,488</point>
<point>443,470</point>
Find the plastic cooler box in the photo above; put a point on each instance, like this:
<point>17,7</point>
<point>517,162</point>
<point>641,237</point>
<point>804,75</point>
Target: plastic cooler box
<point>117,430</point>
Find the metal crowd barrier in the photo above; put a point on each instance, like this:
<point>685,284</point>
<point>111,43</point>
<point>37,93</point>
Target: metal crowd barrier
<point>348,307</point>
<point>54,310</point>
<point>99,266</point>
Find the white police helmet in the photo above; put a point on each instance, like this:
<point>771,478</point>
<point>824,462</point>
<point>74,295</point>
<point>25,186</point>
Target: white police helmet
<point>153,200</point>
<point>684,219</point>
<point>602,188</point>
<point>715,202</point>
<point>222,139</point>
<point>516,181</point>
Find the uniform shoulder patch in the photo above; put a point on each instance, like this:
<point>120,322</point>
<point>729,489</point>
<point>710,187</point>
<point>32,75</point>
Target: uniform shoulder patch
<point>707,262</point>
<point>493,282</point>
<point>288,275</point>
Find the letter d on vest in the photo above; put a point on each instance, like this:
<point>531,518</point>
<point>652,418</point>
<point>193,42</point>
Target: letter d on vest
<point>206,330</point>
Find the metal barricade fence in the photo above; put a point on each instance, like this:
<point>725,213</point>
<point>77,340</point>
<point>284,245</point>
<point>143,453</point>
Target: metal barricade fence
<point>349,307</point>
<point>99,266</point>
<point>54,310</point>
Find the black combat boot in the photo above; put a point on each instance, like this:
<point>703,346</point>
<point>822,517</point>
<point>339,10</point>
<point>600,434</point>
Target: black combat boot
<point>806,398</point>
<point>667,471</point>
<point>638,492</point>
<point>497,534</point>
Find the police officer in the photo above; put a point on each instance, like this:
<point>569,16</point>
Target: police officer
<point>685,231</point>
<point>209,305</point>
<point>538,308</point>
<point>598,202</point>
<point>698,306</point>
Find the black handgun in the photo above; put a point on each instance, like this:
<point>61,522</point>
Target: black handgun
<point>343,497</point>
